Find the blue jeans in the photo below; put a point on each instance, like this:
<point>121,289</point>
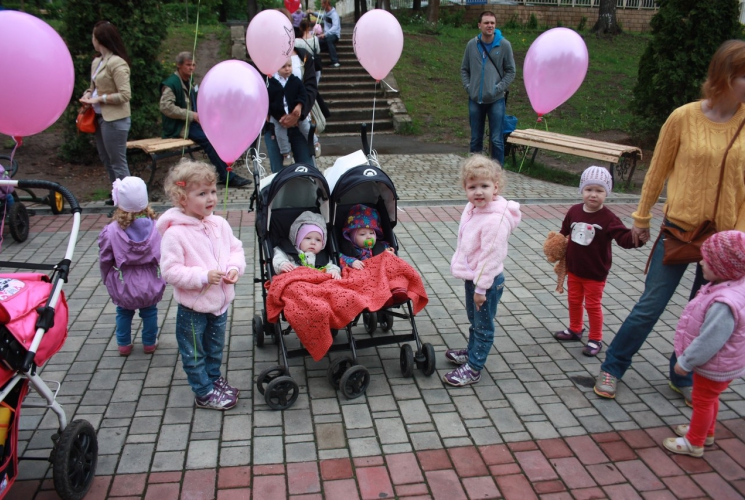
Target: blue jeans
<point>329,43</point>
<point>659,287</point>
<point>477,115</point>
<point>204,332</point>
<point>298,143</point>
<point>196,134</point>
<point>481,331</point>
<point>149,317</point>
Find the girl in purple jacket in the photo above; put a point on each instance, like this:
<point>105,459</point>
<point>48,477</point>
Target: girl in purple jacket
<point>710,339</point>
<point>485,228</point>
<point>129,256</point>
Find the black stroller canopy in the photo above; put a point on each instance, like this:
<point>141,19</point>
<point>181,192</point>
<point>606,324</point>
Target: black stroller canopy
<point>367,185</point>
<point>308,187</point>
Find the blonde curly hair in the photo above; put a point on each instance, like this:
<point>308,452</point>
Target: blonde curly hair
<point>480,167</point>
<point>125,218</point>
<point>184,173</point>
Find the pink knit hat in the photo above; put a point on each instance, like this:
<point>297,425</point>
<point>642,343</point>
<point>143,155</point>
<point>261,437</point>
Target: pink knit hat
<point>305,229</point>
<point>724,253</point>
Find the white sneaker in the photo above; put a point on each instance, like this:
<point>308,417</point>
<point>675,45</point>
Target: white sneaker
<point>336,65</point>
<point>318,149</point>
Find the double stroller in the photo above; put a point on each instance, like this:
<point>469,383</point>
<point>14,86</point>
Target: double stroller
<point>33,327</point>
<point>299,188</point>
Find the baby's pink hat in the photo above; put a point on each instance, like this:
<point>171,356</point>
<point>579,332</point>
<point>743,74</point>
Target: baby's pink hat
<point>309,228</point>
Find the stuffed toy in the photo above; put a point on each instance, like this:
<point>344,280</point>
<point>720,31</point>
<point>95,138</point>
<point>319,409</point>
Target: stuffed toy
<point>555,248</point>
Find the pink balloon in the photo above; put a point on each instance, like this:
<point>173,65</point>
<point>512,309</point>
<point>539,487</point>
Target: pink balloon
<point>555,66</point>
<point>232,103</point>
<point>270,40</point>
<point>378,42</point>
<point>36,74</point>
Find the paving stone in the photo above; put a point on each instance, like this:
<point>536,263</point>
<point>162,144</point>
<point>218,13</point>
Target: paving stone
<point>202,454</point>
<point>136,458</point>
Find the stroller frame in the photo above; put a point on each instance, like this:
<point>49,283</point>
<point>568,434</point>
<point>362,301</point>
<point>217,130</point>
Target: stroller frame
<point>75,445</point>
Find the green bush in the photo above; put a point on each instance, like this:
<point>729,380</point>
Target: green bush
<point>142,24</point>
<point>532,22</point>
<point>177,13</point>
<point>582,23</point>
<point>685,35</point>
<point>452,17</point>
<point>513,23</point>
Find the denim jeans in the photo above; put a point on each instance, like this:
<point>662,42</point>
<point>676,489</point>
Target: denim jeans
<point>329,43</point>
<point>196,134</point>
<point>481,331</point>
<point>204,332</point>
<point>298,144</point>
<point>659,287</point>
<point>111,143</point>
<point>477,115</point>
<point>149,317</point>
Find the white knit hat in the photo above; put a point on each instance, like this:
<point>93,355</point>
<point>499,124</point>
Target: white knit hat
<point>597,176</point>
<point>130,194</point>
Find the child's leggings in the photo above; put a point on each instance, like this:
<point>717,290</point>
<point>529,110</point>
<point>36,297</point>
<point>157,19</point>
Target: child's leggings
<point>705,408</point>
<point>590,292</point>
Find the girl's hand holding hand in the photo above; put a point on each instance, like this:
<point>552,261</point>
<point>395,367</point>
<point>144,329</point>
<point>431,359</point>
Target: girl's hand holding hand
<point>214,276</point>
<point>358,264</point>
<point>479,300</point>
<point>287,267</point>
<point>680,371</point>
<point>231,278</point>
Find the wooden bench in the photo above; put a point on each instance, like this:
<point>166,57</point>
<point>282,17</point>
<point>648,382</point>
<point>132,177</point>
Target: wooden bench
<point>621,158</point>
<point>157,149</point>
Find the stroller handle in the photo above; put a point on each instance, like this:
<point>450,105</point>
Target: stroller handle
<point>52,186</point>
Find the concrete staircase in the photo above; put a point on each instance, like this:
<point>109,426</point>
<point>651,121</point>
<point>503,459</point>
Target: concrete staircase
<point>349,92</point>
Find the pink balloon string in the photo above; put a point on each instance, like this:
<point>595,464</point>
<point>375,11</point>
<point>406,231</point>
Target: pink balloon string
<point>18,140</point>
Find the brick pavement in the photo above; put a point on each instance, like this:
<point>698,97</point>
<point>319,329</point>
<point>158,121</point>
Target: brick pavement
<point>531,427</point>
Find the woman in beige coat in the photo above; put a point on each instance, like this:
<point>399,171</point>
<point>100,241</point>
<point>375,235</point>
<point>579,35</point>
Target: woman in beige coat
<point>109,94</point>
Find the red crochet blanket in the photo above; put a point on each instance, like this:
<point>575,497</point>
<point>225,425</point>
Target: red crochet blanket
<point>314,303</point>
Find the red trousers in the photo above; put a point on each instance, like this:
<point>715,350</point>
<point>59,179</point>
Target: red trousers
<point>589,292</point>
<point>705,408</point>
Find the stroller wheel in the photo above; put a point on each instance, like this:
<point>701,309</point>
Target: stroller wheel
<point>18,222</point>
<point>370,321</point>
<point>334,333</point>
<point>74,460</point>
<point>281,393</point>
<point>337,368</point>
<point>354,382</point>
<point>267,376</point>
<point>386,321</point>
<point>258,331</point>
<point>427,365</point>
<point>407,361</point>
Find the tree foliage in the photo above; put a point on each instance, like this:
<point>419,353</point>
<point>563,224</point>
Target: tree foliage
<point>685,35</point>
<point>142,24</point>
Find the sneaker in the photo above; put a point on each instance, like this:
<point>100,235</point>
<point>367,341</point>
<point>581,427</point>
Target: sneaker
<point>317,149</point>
<point>336,65</point>
<point>462,376</point>
<point>149,349</point>
<point>682,430</point>
<point>457,356</point>
<point>686,392</point>
<point>223,385</point>
<point>682,446</point>
<point>216,400</point>
<point>592,348</point>
<point>568,335</point>
<point>125,350</point>
<point>605,385</point>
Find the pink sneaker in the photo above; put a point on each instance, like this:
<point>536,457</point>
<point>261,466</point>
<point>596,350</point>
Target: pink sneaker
<point>125,350</point>
<point>149,349</point>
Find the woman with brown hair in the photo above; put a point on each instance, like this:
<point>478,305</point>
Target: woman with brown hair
<point>109,94</point>
<point>688,157</point>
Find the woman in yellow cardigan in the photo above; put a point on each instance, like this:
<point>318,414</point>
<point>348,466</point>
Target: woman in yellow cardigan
<point>688,156</point>
<point>109,94</point>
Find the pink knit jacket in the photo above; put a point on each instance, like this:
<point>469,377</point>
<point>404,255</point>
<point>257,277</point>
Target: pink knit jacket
<point>482,242</point>
<point>189,250</point>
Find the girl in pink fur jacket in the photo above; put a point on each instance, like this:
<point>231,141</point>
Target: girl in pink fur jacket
<point>485,228</point>
<point>202,259</point>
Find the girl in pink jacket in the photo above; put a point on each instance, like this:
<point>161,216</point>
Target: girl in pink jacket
<point>485,227</point>
<point>710,339</point>
<point>202,259</point>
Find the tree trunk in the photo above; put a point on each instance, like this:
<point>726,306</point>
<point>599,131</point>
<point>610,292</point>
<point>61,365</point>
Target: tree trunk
<point>357,10</point>
<point>223,11</point>
<point>417,5</point>
<point>363,7</point>
<point>252,8</point>
<point>607,24</point>
<point>434,11</point>
<point>387,5</point>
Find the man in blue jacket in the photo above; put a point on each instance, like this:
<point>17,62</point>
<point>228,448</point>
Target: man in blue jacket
<point>487,70</point>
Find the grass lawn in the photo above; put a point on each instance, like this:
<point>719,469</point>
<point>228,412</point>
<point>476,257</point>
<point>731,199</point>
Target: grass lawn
<point>429,76</point>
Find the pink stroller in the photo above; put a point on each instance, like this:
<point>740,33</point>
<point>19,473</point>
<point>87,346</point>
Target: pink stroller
<point>33,327</point>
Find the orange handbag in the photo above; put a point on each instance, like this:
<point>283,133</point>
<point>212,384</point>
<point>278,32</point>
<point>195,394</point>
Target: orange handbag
<point>86,120</point>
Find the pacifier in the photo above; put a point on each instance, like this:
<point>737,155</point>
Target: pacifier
<point>369,243</point>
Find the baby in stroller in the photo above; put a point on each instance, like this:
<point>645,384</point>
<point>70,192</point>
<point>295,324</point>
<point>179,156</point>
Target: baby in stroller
<point>362,237</point>
<point>305,247</point>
